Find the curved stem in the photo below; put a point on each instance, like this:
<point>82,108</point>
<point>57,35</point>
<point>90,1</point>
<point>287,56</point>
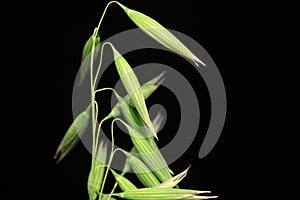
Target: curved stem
<point>116,184</point>
<point>100,166</point>
<point>98,132</point>
<point>111,156</point>
<point>96,116</point>
<point>96,108</point>
<point>112,153</point>
<point>103,14</point>
<point>103,89</point>
<point>100,62</point>
<point>100,125</point>
<point>112,191</point>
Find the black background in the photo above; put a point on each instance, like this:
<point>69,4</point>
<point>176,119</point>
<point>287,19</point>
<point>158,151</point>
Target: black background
<point>249,161</point>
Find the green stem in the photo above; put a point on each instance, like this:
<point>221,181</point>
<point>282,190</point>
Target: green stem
<point>92,104</point>
<point>112,153</point>
<point>100,63</point>
<point>100,124</point>
<point>116,184</point>
<point>101,19</point>
<point>96,108</point>
<point>113,190</point>
<point>93,95</point>
<point>110,158</point>
<point>103,89</point>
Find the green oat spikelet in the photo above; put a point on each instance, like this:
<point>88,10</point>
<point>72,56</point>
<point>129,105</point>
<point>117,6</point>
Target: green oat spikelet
<point>145,146</point>
<point>133,88</point>
<point>161,194</point>
<point>73,135</point>
<point>123,182</point>
<point>85,64</point>
<point>159,33</point>
<point>147,89</point>
<point>142,172</point>
<point>172,182</point>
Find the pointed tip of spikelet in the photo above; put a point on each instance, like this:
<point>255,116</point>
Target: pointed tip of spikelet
<point>197,60</point>
<point>153,132</point>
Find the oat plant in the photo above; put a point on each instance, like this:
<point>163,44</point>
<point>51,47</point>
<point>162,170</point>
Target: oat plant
<point>144,159</point>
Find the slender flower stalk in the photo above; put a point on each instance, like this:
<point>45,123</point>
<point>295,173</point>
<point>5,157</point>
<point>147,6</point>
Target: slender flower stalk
<point>86,53</point>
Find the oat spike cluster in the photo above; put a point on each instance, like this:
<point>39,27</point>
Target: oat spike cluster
<point>144,159</point>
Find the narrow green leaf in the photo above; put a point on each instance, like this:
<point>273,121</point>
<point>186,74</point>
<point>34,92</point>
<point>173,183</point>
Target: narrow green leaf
<point>160,33</point>
<point>133,88</point>
<point>85,59</point>
<point>97,171</point>
<point>159,193</point>
<point>73,135</point>
<point>123,182</point>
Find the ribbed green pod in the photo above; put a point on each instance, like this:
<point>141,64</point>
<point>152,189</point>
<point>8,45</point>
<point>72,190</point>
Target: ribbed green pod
<point>159,33</point>
<point>149,152</point>
<point>132,87</point>
<point>160,194</point>
<point>147,89</point>
<point>172,182</point>
<point>85,63</point>
<point>73,135</point>
<point>142,172</point>
<point>123,182</point>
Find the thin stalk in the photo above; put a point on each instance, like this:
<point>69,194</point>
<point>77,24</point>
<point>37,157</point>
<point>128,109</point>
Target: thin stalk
<point>92,103</point>
<point>111,157</point>
<point>116,184</point>
<point>102,89</point>
<point>96,115</point>
<point>100,124</point>
<point>98,132</point>
<point>96,108</point>
<point>101,19</point>
<point>100,63</point>
<point>93,81</point>
<point>113,190</point>
<point>93,95</point>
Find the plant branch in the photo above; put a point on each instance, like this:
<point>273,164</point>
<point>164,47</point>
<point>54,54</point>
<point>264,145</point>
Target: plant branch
<point>103,14</point>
